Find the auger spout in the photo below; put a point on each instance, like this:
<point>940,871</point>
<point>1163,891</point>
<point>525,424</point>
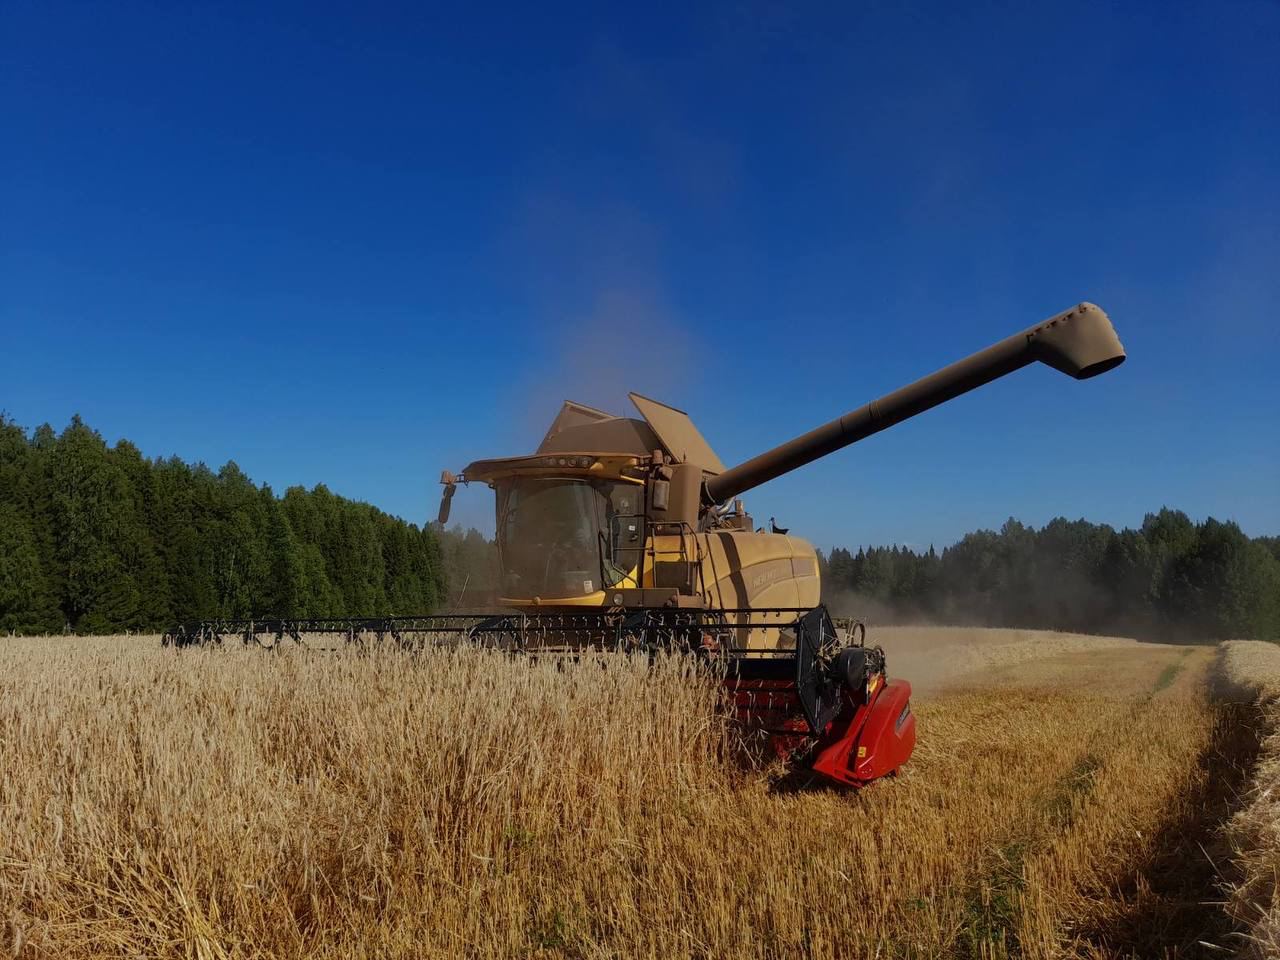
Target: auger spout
<point>1080,342</point>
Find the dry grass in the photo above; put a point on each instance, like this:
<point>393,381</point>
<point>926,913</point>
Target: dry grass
<point>1253,668</point>
<point>236,804</point>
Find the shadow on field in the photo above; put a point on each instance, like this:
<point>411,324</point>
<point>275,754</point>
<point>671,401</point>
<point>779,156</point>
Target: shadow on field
<point>805,781</point>
<point>1169,905</point>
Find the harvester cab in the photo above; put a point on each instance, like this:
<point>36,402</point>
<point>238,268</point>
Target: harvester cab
<point>612,512</point>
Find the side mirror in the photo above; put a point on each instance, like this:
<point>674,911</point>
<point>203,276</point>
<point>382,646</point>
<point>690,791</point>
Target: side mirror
<point>443,517</point>
<point>450,486</point>
<point>661,495</point>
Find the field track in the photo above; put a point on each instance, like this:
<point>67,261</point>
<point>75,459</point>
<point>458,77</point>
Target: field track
<point>1064,801</point>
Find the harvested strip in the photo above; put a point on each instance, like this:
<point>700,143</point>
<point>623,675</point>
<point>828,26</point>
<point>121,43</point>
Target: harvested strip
<point>1133,876</point>
<point>1250,670</point>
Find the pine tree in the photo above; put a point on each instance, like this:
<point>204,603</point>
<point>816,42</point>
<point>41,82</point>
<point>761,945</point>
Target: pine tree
<point>25,604</point>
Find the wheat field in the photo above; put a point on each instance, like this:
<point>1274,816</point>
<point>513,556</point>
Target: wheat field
<point>219,804</point>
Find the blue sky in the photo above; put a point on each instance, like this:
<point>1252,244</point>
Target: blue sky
<point>360,246</point>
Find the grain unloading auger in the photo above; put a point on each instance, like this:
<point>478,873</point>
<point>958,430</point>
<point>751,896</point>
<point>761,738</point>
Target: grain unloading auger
<point>627,534</point>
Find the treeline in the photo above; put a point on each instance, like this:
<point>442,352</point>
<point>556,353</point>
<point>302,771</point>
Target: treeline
<point>98,539</point>
<point>1171,579</point>
<point>471,560</point>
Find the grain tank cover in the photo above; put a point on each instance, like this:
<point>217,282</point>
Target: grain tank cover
<point>573,415</point>
<point>678,435</point>
<point>623,435</point>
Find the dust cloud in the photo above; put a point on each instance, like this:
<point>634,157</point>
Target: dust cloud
<point>851,603</point>
<point>628,339</point>
<point>934,658</point>
<point>961,647</point>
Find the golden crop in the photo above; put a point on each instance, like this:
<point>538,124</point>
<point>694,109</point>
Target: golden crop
<point>242,804</point>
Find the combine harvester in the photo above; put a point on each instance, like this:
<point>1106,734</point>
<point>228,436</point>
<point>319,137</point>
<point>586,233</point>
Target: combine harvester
<point>627,535</point>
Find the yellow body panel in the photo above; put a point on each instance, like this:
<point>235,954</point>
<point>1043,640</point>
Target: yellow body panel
<point>741,569</point>
<point>744,569</point>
